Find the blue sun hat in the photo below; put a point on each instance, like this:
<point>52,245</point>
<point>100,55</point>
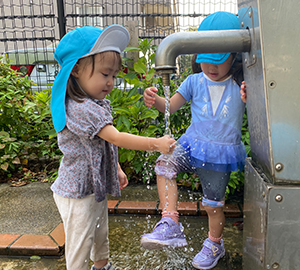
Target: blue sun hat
<point>220,20</point>
<point>76,44</point>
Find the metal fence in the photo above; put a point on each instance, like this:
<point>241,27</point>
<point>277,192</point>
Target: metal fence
<point>39,23</point>
<point>27,26</point>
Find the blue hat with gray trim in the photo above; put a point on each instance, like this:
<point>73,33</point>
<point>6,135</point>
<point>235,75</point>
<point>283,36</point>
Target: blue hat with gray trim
<point>220,20</point>
<point>78,43</point>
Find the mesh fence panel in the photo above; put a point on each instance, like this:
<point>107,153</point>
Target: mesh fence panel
<point>35,26</point>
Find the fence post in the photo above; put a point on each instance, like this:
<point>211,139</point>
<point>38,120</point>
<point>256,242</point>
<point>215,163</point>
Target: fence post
<point>132,27</point>
<point>61,18</point>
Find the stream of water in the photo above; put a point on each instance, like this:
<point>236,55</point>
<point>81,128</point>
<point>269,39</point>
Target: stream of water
<point>167,110</point>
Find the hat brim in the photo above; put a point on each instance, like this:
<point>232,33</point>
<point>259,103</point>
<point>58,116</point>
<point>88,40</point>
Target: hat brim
<point>212,58</point>
<point>113,38</point>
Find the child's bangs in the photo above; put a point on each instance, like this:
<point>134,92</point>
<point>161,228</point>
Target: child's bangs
<point>112,57</point>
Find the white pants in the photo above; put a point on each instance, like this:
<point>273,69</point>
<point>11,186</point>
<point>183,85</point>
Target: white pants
<point>86,230</point>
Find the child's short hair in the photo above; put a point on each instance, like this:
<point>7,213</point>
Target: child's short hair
<point>196,67</point>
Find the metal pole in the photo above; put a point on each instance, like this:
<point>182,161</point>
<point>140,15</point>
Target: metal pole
<point>61,18</point>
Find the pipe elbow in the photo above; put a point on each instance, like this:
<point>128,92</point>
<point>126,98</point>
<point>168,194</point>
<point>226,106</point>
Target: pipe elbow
<point>199,42</point>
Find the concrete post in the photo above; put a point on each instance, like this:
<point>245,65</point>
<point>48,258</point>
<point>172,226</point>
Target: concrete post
<point>132,27</point>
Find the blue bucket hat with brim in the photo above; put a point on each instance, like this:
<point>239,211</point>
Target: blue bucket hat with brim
<point>220,20</point>
<point>76,44</point>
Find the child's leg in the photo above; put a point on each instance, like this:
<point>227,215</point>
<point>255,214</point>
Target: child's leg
<point>100,249</point>
<point>81,218</point>
<point>216,222</point>
<point>168,231</point>
<point>168,193</point>
<point>214,187</point>
<point>168,196</point>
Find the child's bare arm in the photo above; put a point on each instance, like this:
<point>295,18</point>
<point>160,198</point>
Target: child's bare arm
<point>152,99</point>
<point>243,92</point>
<point>165,144</point>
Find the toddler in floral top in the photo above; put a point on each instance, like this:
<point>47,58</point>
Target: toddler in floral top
<point>90,61</point>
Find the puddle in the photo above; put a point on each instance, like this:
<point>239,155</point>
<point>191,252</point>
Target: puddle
<point>126,253</point>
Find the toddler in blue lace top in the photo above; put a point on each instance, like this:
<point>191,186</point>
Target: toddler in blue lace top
<point>211,146</point>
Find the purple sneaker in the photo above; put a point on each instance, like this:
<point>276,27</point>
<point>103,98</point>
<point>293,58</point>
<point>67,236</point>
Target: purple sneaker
<point>166,233</point>
<point>209,255</point>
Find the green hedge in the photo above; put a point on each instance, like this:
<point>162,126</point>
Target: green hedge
<point>27,133</point>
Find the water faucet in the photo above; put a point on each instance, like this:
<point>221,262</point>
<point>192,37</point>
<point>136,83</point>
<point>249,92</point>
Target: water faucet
<point>198,42</point>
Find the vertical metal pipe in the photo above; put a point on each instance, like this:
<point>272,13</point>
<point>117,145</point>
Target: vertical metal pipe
<point>61,18</point>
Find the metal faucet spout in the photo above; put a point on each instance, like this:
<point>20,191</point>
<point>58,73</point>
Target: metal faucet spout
<point>198,42</point>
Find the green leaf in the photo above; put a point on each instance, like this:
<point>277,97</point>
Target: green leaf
<point>120,110</point>
<point>129,49</point>
<point>140,67</point>
<point>148,113</point>
<point>125,121</point>
<point>131,76</point>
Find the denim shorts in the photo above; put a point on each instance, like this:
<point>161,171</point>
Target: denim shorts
<point>213,183</point>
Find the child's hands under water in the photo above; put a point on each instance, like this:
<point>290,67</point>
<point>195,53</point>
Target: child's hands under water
<point>243,92</point>
<point>166,145</point>
<point>149,96</point>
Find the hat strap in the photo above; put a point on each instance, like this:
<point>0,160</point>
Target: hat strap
<point>81,88</point>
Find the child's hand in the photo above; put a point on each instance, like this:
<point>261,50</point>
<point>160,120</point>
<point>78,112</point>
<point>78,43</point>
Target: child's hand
<point>149,96</point>
<point>166,145</point>
<point>123,181</point>
<point>243,92</point>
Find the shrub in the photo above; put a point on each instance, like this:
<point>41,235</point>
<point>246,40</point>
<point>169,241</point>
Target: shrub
<point>26,130</point>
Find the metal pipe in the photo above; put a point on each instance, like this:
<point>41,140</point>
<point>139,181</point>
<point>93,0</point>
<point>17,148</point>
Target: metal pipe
<point>61,18</point>
<point>198,42</point>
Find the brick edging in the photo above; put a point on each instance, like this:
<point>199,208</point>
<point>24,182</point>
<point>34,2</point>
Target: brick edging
<point>154,208</point>
<point>52,244</point>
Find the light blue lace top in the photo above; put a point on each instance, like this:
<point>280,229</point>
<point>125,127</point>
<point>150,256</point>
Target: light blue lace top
<point>213,140</point>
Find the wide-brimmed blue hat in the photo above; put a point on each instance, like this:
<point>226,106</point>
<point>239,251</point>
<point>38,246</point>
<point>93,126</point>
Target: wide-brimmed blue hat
<point>76,44</point>
<point>220,20</point>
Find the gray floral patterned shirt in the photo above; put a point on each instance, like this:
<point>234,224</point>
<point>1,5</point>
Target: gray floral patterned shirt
<point>89,164</point>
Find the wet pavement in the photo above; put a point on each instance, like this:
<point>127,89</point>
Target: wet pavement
<point>126,253</point>
<point>30,210</point>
